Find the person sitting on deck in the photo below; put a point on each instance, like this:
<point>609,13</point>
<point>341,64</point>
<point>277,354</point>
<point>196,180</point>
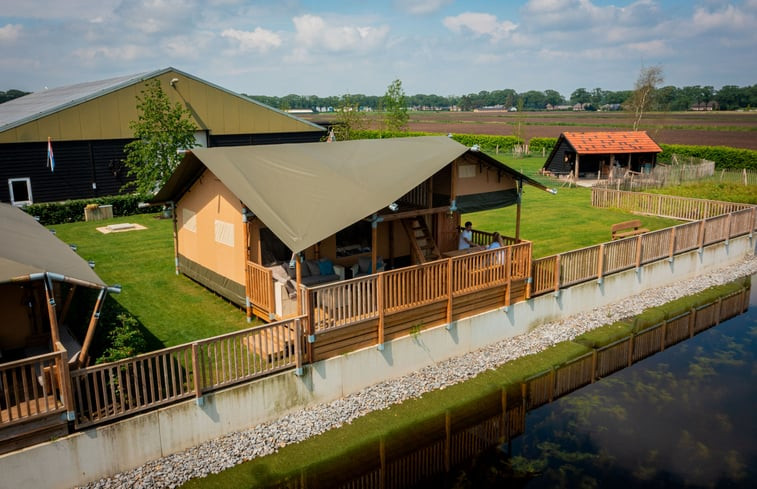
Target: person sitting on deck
<point>466,237</point>
<point>496,242</point>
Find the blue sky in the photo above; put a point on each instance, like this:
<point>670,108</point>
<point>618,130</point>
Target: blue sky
<point>330,47</point>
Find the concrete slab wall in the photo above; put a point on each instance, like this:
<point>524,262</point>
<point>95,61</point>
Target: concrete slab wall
<point>103,451</point>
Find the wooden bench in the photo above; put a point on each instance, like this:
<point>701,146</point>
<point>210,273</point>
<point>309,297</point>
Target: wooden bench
<point>627,228</point>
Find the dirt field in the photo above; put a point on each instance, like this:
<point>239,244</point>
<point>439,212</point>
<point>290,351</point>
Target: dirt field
<point>734,129</point>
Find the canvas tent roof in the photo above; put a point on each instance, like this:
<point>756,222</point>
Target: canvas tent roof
<point>26,247</point>
<point>307,192</point>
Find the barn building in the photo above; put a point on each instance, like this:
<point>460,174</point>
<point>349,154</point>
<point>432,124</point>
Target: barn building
<point>596,154</point>
<point>88,126</point>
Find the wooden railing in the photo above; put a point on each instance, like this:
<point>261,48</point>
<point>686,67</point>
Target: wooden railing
<point>112,390</point>
<point>663,205</point>
<point>594,262</point>
<point>353,301</point>
<point>33,387</point>
<point>260,280</point>
<point>484,238</point>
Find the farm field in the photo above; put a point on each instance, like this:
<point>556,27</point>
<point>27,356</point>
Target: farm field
<point>735,129</point>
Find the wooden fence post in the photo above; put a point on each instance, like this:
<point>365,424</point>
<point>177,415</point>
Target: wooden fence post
<point>718,310</point>
<point>638,252</point>
<point>700,238</point>
<point>600,262</point>
<point>503,431</point>
<point>508,277</point>
<point>196,373</point>
<point>692,319</point>
<point>65,382</point>
<point>552,384</point>
<point>557,273</point>
<point>663,339</point>
<point>672,244</point>
<point>630,348</point>
<point>593,365</point>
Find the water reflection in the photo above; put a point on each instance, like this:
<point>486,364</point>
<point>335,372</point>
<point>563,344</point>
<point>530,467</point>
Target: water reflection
<point>680,418</point>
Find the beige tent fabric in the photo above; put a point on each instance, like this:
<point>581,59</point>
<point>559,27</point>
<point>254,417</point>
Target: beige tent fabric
<point>307,192</point>
<point>26,247</point>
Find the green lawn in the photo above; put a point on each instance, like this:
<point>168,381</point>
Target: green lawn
<point>556,223</point>
<point>173,309</point>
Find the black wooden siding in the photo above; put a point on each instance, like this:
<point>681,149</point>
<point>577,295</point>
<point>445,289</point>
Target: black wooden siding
<point>80,164</point>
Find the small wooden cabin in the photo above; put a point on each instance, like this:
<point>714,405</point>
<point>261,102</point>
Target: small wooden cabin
<point>332,210</point>
<point>43,332</point>
<point>598,154</point>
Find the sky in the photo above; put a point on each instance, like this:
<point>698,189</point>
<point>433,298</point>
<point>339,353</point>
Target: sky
<point>333,47</point>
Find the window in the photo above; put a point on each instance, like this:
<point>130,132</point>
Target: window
<point>20,190</point>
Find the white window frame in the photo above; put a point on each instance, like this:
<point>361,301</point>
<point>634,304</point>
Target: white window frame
<point>20,203</point>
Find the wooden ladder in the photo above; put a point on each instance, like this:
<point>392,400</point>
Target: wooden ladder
<point>423,244</point>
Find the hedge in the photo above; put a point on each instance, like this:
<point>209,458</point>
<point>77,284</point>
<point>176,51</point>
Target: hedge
<point>73,210</point>
<point>725,158</point>
<point>486,142</point>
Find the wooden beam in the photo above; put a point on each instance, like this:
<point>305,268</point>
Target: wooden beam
<point>398,216</point>
<point>54,332</point>
<point>83,355</point>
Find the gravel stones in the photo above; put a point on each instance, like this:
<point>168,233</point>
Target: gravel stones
<point>264,439</point>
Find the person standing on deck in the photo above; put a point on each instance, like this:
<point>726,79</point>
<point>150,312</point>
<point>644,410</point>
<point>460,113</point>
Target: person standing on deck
<point>466,237</point>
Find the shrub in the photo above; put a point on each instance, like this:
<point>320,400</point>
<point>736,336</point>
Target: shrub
<point>537,144</point>
<point>725,158</point>
<point>73,210</point>
<point>125,339</point>
<point>486,142</point>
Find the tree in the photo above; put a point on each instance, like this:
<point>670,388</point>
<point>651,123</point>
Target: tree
<point>643,93</point>
<point>161,130</point>
<point>394,103</point>
<point>348,119</point>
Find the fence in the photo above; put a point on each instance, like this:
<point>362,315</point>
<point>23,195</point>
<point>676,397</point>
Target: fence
<point>358,300</point>
<point>108,391</point>
<point>722,221</point>
<point>34,386</point>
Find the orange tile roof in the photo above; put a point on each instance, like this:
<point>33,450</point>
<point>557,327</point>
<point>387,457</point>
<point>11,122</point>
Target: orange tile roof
<point>604,142</point>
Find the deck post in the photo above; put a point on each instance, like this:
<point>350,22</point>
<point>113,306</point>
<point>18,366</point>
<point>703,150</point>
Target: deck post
<point>298,346</point>
<point>65,382</point>
<point>517,209</point>
<point>247,281</point>
<point>380,304</point>
<point>449,291</point>
<point>672,244</point>
<point>700,238</point>
<point>557,273</point>
<point>638,253</point>
<point>50,298</point>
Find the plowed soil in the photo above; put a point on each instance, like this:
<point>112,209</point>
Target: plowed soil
<point>734,129</point>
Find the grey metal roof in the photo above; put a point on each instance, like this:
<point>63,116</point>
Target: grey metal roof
<point>40,104</point>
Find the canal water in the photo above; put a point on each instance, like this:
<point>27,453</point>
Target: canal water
<point>683,418</point>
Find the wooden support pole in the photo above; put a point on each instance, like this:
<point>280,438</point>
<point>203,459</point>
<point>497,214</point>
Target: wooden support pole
<point>374,247</point>
<point>593,365</point>
<point>517,210</point>
<point>298,275</point>
<point>50,299</point>
<point>503,431</point>
<point>638,251</point>
<point>84,354</point>
<point>298,345</point>
<point>672,250</point>
<point>631,340</point>
<point>247,279</point>
<point>557,273</point>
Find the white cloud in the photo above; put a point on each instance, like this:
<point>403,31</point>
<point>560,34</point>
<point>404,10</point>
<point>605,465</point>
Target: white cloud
<point>480,24</point>
<point>421,7</point>
<point>127,52</point>
<point>312,33</point>
<point>727,18</point>
<point>260,40</point>
<point>10,32</point>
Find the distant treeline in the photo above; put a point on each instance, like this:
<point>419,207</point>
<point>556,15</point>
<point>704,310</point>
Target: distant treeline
<point>11,94</point>
<point>668,98</point>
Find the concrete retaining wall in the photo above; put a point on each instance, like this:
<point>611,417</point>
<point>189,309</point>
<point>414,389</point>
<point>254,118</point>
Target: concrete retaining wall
<point>104,451</point>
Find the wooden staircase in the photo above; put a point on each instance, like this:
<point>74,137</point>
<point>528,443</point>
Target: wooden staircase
<point>422,243</point>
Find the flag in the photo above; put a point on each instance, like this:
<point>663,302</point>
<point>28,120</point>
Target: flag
<point>50,158</point>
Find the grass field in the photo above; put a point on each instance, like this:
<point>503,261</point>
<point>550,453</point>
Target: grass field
<point>172,309</point>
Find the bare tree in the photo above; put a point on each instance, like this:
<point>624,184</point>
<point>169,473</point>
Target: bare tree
<point>643,93</point>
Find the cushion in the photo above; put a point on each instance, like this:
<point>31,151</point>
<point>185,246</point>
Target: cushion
<point>364,264</point>
<point>326,267</point>
<point>313,267</point>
